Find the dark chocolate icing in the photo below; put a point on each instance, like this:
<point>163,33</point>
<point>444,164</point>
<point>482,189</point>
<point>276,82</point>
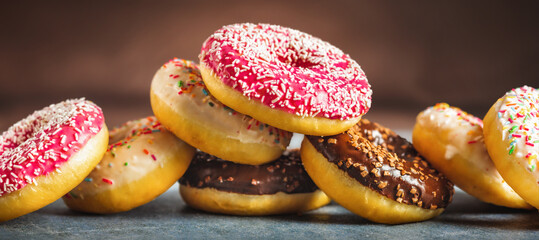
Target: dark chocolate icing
<point>285,174</point>
<point>386,163</point>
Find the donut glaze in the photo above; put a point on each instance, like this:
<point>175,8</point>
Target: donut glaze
<point>512,139</point>
<point>286,174</point>
<point>399,173</point>
<point>288,70</point>
<point>47,154</point>
<point>142,161</point>
<point>282,186</point>
<point>42,142</point>
<point>183,105</point>
<point>376,174</point>
<point>452,141</point>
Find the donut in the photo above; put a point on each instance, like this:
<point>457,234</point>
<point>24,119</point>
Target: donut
<point>183,105</point>
<point>48,153</point>
<point>142,162</point>
<point>376,174</point>
<point>512,139</point>
<point>452,141</point>
<point>285,78</point>
<point>282,186</point>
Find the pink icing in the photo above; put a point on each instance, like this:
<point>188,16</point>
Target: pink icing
<point>43,141</point>
<point>288,70</point>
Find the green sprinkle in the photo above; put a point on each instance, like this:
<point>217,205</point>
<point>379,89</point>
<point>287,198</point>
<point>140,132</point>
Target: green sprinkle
<point>88,179</point>
<point>110,164</point>
<point>180,84</point>
<point>512,150</point>
<point>211,104</point>
<point>73,195</point>
<point>532,168</point>
<point>113,154</point>
<point>205,92</point>
<point>512,129</point>
<point>126,163</point>
<point>128,146</point>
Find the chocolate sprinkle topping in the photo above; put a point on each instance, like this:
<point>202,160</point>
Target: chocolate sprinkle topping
<point>380,159</point>
<point>285,174</point>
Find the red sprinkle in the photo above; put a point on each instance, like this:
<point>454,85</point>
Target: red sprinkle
<point>516,135</point>
<point>145,151</point>
<point>472,142</point>
<point>153,157</point>
<point>107,181</point>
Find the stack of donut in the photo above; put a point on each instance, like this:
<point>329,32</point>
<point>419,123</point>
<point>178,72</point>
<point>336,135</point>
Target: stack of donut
<point>255,85</point>
<point>496,162</point>
<point>241,167</point>
<point>255,76</point>
<point>222,129</point>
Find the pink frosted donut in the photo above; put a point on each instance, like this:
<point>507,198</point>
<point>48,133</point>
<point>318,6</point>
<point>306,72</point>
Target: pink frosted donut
<point>48,153</point>
<point>284,77</point>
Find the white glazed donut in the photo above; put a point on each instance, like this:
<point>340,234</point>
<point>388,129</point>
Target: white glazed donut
<point>142,162</point>
<point>512,138</point>
<point>183,105</point>
<point>452,141</point>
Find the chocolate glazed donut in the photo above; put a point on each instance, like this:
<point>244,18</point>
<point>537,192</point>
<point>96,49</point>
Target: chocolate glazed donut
<point>282,186</point>
<point>376,158</point>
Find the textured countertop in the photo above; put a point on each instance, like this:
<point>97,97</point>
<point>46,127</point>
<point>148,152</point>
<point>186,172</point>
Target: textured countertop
<point>168,217</point>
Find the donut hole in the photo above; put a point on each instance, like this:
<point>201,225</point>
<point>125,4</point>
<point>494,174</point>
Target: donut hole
<point>34,127</point>
<point>24,132</point>
<point>296,62</point>
<point>132,128</point>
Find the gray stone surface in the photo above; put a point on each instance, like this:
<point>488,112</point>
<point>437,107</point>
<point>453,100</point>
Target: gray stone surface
<point>168,217</point>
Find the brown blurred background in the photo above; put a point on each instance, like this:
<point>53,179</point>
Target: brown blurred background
<point>415,53</point>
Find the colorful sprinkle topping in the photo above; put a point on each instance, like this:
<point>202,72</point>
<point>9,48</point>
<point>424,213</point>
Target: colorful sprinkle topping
<point>148,126</point>
<point>462,115</point>
<point>189,84</point>
<point>519,116</point>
